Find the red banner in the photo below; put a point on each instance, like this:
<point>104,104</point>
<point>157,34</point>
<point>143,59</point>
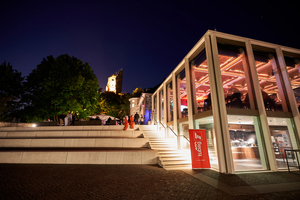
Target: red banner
<point>199,151</point>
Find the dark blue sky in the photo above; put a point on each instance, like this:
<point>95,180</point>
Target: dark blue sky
<point>147,39</point>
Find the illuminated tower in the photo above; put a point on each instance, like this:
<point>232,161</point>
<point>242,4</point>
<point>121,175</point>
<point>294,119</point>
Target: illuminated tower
<point>111,84</point>
<point>114,83</point>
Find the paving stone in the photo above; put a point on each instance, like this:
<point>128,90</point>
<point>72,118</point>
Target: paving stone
<point>38,181</point>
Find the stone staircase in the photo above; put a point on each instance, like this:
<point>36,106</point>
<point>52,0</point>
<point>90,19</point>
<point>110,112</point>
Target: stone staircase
<point>169,157</point>
<point>75,145</point>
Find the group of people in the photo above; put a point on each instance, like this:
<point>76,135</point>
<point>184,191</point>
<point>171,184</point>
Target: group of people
<point>66,120</point>
<point>15,120</point>
<point>132,121</point>
<point>234,99</point>
<point>138,119</point>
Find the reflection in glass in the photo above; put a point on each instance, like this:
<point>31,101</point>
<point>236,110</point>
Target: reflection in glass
<point>246,144</point>
<point>170,100</point>
<point>235,77</point>
<point>293,68</point>
<point>280,129</point>
<point>269,80</point>
<point>199,73</point>
<point>208,125</point>
<point>182,94</point>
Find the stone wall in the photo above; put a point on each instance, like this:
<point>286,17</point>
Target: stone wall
<point>134,108</point>
<point>11,124</point>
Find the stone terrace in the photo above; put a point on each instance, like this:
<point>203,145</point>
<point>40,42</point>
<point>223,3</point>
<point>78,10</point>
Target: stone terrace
<point>75,145</point>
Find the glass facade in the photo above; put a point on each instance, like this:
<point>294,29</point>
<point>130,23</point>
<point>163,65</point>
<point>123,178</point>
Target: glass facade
<point>184,129</point>
<point>246,143</point>
<point>282,135</point>
<point>182,97</point>
<point>293,67</point>
<point>235,76</point>
<point>207,124</point>
<point>248,133</point>
<point>270,80</point>
<point>170,101</point>
<point>201,86</point>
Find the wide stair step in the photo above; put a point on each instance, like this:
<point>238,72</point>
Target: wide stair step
<point>75,145</point>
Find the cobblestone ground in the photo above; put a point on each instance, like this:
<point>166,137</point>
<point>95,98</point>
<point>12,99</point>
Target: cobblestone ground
<point>109,182</point>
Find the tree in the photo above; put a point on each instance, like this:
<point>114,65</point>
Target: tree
<point>109,103</point>
<point>10,91</point>
<point>113,104</point>
<point>125,105</point>
<point>137,92</point>
<point>61,84</point>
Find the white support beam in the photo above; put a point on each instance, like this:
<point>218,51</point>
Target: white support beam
<point>222,106</point>
<point>165,107</point>
<point>215,109</point>
<point>175,108</point>
<point>189,93</point>
<point>270,155</point>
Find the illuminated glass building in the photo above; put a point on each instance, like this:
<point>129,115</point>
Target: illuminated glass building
<point>246,95</point>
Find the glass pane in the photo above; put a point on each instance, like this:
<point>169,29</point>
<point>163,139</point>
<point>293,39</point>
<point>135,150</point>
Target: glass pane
<point>280,129</point>
<point>184,129</point>
<point>162,106</point>
<point>246,144</point>
<point>293,68</point>
<point>199,73</point>
<point>155,109</point>
<point>182,92</point>
<point>207,124</point>
<point>235,77</point>
<point>183,132</point>
<point>170,100</point>
<point>270,81</point>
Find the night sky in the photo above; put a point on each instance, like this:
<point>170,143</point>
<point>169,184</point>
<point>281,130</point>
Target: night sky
<point>147,39</point>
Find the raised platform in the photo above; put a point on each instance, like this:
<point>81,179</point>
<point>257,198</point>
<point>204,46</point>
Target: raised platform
<point>79,156</point>
<point>76,142</point>
<point>75,145</point>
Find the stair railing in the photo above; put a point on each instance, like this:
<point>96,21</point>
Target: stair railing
<point>168,127</point>
<point>187,139</point>
<point>173,131</point>
<point>161,124</point>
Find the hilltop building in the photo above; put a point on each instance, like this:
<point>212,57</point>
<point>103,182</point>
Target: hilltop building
<point>114,83</point>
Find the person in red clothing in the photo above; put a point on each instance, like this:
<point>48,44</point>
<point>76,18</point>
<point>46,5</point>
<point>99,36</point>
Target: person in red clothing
<point>132,122</point>
<point>125,123</point>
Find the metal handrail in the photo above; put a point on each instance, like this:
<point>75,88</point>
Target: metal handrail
<point>161,124</point>
<point>186,138</point>
<point>293,155</point>
<point>173,131</point>
<point>177,134</point>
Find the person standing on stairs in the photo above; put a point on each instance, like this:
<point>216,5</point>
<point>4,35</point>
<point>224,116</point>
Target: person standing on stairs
<point>136,118</point>
<point>131,122</point>
<point>125,123</point>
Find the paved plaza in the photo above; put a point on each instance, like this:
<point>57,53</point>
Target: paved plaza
<point>43,181</point>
